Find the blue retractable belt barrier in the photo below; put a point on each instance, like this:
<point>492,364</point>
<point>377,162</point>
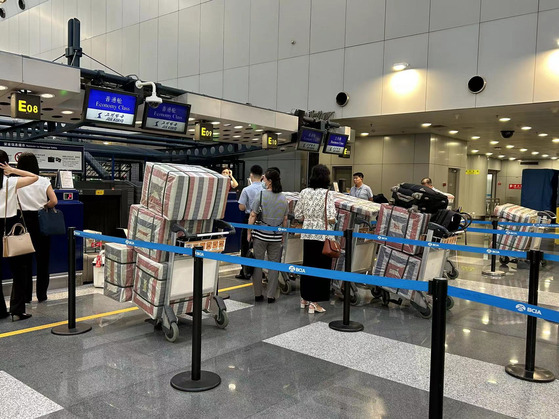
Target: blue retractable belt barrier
<point>511,223</point>
<point>288,230</point>
<point>514,233</point>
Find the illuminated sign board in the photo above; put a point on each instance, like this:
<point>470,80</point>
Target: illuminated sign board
<point>110,106</point>
<point>347,152</point>
<point>335,143</point>
<point>269,140</point>
<point>168,116</point>
<point>49,156</point>
<point>310,139</point>
<point>25,106</point>
<point>204,132</point>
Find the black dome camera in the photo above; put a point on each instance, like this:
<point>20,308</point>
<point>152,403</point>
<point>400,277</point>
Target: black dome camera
<point>507,133</point>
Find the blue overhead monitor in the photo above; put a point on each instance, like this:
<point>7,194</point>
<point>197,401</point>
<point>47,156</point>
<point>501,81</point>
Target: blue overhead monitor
<point>310,139</point>
<point>335,143</point>
<point>168,117</point>
<point>112,107</point>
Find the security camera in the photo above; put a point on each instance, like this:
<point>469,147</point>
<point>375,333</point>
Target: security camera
<point>507,134</point>
<point>152,101</point>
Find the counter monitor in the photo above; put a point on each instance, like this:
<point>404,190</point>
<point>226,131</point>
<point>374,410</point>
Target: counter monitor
<point>335,143</point>
<point>110,106</point>
<point>310,139</point>
<point>168,116</point>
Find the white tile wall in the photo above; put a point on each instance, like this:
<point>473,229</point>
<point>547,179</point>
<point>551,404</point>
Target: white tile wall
<point>368,150</point>
<point>99,50</point>
<point>190,84</point>
<point>131,12</point>
<point>131,49</point>
<point>167,50</point>
<point>547,57</point>
<point>263,80</point>
<point>148,50</point>
<point>211,84</point>
<point>404,18</point>
<point>393,146</point>
<point>98,12</point>
<point>498,9</point>
<point>294,32</point>
<point>46,29</point>
<point>549,4</point>
<point>211,36</point>
<point>235,84</point>
<point>264,24</point>
<point>236,33</point>
<point>364,21</point>
<point>293,83</point>
<point>34,32</point>
<point>149,9</point>
<point>327,25</point>
<point>84,15</point>
<point>113,57</point>
<point>58,25</point>
<point>23,35</point>
<point>168,6</point>
<point>114,15</point>
<point>326,79</point>
<point>189,41</point>
<point>452,13</point>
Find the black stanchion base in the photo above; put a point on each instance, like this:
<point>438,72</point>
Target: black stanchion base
<point>63,330</point>
<point>184,381</point>
<point>539,375</point>
<point>341,327</point>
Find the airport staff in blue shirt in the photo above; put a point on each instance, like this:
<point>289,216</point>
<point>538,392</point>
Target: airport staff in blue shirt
<point>360,190</point>
<point>248,196</point>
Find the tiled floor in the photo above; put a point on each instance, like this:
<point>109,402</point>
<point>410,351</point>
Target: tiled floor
<point>275,360</point>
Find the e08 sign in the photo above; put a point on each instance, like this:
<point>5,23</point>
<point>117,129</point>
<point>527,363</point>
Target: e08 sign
<point>25,106</point>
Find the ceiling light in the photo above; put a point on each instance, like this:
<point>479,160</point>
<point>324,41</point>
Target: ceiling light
<point>453,131</point>
<point>45,95</point>
<point>3,87</point>
<point>554,158</point>
<point>364,134</point>
<point>400,66</point>
<point>106,142</point>
<point>504,119</point>
<point>488,154</point>
<point>238,126</point>
<point>542,134</point>
<point>535,153</point>
<point>278,133</point>
<point>523,149</point>
<point>215,123</point>
<point>526,128</point>
<point>476,137</point>
<point>191,119</point>
<point>426,124</point>
<point>236,136</point>
<point>510,146</point>
<point>545,155</point>
<point>501,156</point>
<point>493,142</point>
<point>138,122</point>
<point>67,112</point>
<point>259,130</point>
<point>475,151</point>
<point>256,139</point>
<point>191,130</point>
<point>555,140</point>
<point>512,158</point>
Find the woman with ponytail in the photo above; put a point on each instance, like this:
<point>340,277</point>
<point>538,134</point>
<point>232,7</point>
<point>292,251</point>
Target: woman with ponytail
<point>270,207</point>
<point>8,217</point>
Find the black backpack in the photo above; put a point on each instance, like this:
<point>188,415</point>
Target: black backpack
<point>426,199</point>
<point>451,220</point>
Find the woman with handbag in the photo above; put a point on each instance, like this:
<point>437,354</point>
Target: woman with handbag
<point>271,205</point>
<point>8,188</point>
<point>316,208</point>
<point>32,199</point>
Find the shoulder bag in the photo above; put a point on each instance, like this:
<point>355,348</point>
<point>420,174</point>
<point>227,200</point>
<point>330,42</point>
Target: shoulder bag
<point>51,222</point>
<point>16,244</point>
<point>331,247</point>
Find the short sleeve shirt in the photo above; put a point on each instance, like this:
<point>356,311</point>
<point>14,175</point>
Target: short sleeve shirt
<point>363,192</point>
<point>249,194</point>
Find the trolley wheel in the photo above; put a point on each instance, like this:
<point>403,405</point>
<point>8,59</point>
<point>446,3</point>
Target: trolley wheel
<point>376,292</point>
<point>449,303</point>
<point>385,297</point>
<point>543,263</point>
<point>173,332</point>
<point>505,260</point>
<point>452,274</point>
<point>221,319</point>
<point>285,286</point>
<point>425,312</point>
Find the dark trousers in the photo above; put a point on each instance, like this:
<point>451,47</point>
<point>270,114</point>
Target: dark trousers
<point>244,240</point>
<point>313,288</point>
<point>42,257</point>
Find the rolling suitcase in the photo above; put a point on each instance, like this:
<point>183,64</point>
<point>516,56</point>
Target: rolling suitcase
<point>426,199</point>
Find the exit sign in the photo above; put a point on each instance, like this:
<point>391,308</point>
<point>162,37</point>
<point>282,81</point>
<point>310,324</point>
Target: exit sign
<point>515,185</point>
<point>26,106</point>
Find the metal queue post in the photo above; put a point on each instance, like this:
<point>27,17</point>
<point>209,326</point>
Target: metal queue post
<point>196,380</point>
<point>493,271</point>
<point>438,288</point>
<point>347,325</point>
<point>71,328</point>
<point>528,371</point>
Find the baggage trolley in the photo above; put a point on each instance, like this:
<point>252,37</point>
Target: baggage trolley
<point>179,289</point>
<point>292,252</point>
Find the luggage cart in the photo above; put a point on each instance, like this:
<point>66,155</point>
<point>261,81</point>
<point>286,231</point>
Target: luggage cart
<point>292,252</point>
<point>179,287</point>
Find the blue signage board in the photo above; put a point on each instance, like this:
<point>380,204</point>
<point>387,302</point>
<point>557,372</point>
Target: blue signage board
<point>335,143</point>
<point>310,139</point>
<point>110,106</point>
<point>168,116</point>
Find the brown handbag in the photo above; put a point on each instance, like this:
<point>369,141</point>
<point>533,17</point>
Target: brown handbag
<point>331,247</point>
<point>16,244</point>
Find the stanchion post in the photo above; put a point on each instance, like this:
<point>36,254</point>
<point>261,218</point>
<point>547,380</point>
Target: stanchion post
<point>346,325</point>
<point>438,288</point>
<point>528,371</point>
<point>196,380</point>
<point>493,271</point>
<point>71,328</point>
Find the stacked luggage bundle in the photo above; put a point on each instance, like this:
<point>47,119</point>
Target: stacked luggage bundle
<point>517,214</point>
<point>191,196</point>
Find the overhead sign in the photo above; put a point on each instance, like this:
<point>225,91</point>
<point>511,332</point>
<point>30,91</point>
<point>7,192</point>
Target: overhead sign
<point>168,116</point>
<point>110,106</point>
<point>310,139</point>
<point>26,106</point>
<point>335,143</point>
<point>347,152</point>
<point>269,140</point>
<point>472,172</point>
<point>49,157</point>
<point>515,185</point>
<point>204,132</point>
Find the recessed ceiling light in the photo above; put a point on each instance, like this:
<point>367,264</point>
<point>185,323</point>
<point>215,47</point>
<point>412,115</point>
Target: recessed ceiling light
<point>535,153</point>
<point>453,131</point>
<point>545,155</point>
<point>106,142</point>
<point>256,139</point>
<point>236,136</point>
<point>238,126</point>
<point>3,87</point>
<point>493,142</point>
<point>46,95</point>
<point>67,112</point>
<point>542,134</point>
<point>400,66</point>
<point>504,119</point>
<point>510,146</point>
<point>364,134</point>
<point>426,124</point>
<point>259,130</point>
<point>488,154</point>
<point>191,130</point>
<point>555,140</point>
<point>526,128</point>
<point>476,137</point>
<point>278,133</point>
<point>138,122</point>
<point>512,158</point>
<point>475,151</point>
<point>554,158</point>
<point>191,119</point>
<point>215,123</point>
<point>501,156</point>
<point>523,149</point>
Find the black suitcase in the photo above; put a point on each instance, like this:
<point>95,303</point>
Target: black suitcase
<point>426,199</point>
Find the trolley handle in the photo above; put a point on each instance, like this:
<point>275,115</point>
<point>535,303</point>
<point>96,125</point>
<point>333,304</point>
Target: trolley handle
<point>177,228</point>
<point>225,226</point>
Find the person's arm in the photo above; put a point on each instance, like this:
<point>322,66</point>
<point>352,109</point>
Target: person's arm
<point>25,179</point>
<point>234,183</point>
<point>251,221</point>
<point>370,193</point>
<point>53,200</point>
<point>243,201</point>
<point>298,212</point>
<point>330,209</point>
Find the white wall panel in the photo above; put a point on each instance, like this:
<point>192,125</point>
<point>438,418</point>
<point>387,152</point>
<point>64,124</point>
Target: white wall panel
<point>452,13</point>
<point>422,146</point>
<point>293,83</point>
<point>236,33</point>
<point>85,61</point>
<point>364,21</point>
<point>190,84</point>
<point>70,11</point>
<point>404,18</point>
<point>235,84</point>
<point>189,42</point>
<point>23,33</point>
<point>130,12</point>
<point>452,62</point>
<point>211,37</point>
<point>438,151</point>
<point>58,24</point>
<point>114,51</point>
<point>183,4</point>
<point>404,91</point>
<point>327,25</point>
<point>5,36</point>
<point>549,4</point>
<point>130,49</point>
<point>98,17</point>
<point>393,146</point>
<point>170,83</point>
<point>264,17</point>
<point>148,50</point>
<point>13,33</point>
<point>84,15</point>
<point>99,51</point>
<point>46,28</point>
<point>546,86</point>
<point>263,80</point>
<point>326,79</point>
<point>114,15</point>
<point>368,150</point>
<point>149,9</point>
<point>294,31</point>
<point>498,9</point>
<point>363,80</point>
<point>211,84</point>
<point>393,174</point>
<point>168,6</point>
<point>506,59</point>
<point>168,46</point>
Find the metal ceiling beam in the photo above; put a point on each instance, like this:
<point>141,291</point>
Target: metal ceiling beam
<point>36,130</point>
<point>117,140</point>
<point>96,166</point>
<point>212,151</point>
<point>176,141</point>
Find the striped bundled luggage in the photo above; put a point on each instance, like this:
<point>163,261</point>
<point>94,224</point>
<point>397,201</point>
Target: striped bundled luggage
<point>119,271</point>
<point>402,223</point>
<point>150,281</point>
<point>366,210</point>
<point>517,214</point>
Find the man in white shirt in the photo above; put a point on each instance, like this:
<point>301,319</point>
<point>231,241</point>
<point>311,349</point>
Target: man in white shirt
<point>360,190</point>
<point>426,181</point>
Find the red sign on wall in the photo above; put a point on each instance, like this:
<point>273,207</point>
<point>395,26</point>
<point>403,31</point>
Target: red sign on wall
<point>515,185</point>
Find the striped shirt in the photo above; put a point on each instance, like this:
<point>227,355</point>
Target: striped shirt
<point>273,209</point>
